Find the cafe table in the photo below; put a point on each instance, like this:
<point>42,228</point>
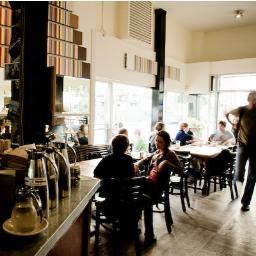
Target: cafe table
<point>203,152</point>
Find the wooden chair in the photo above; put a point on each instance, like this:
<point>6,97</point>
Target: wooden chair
<point>87,152</point>
<point>163,199</point>
<point>121,208</point>
<point>180,182</point>
<point>222,168</point>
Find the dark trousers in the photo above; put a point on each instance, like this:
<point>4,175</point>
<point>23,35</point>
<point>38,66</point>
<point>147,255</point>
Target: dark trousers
<point>245,153</point>
<point>150,192</point>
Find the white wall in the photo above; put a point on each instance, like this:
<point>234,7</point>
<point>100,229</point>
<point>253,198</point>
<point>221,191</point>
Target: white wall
<point>239,66</point>
<point>109,61</point>
<point>198,74</point>
<point>90,18</point>
<point>223,44</point>
<point>198,77</point>
<point>178,40</point>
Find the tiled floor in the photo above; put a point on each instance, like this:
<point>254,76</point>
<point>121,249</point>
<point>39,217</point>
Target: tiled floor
<point>214,226</point>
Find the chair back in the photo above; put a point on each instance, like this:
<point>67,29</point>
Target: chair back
<point>221,163</point>
<point>123,196</point>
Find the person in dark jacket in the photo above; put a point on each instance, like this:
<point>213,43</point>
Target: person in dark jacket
<point>183,135</point>
<point>117,164</point>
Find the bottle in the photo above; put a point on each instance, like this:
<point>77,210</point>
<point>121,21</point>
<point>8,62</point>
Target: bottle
<point>37,179</point>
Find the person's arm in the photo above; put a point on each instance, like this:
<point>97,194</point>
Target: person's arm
<point>173,162</point>
<point>131,168</point>
<point>188,138</point>
<point>99,170</point>
<point>211,137</point>
<point>141,162</point>
<point>230,139</point>
<point>235,112</point>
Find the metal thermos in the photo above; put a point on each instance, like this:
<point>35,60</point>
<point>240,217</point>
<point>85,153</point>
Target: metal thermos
<point>53,177</point>
<point>37,178</point>
<point>64,170</point>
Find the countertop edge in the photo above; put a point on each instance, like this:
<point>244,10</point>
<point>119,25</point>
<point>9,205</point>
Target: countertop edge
<point>64,227</point>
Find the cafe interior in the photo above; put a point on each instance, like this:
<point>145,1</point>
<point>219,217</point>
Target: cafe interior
<point>127,128</point>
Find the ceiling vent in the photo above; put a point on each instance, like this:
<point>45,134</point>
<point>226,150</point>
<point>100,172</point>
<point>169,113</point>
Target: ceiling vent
<point>140,21</point>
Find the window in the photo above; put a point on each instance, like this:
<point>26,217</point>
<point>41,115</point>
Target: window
<point>132,109</point>
<point>196,110</point>
<point>119,105</point>
<point>101,113</point>
<point>203,112</point>
<point>232,91</point>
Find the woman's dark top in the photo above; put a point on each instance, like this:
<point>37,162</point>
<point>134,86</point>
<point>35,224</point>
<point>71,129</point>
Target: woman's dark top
<point>115,166</point>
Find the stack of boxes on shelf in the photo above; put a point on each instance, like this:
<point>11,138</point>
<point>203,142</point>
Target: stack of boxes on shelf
<point>64,48</point>
<point>5,32</point>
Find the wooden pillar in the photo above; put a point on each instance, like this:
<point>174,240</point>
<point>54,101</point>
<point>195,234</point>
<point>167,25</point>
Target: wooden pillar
<point>158,91</point>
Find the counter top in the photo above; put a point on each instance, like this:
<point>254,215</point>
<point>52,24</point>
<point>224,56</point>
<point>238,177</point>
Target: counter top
<point>59,223</point>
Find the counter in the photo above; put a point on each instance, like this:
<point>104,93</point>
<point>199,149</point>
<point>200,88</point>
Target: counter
<point>68,231</point>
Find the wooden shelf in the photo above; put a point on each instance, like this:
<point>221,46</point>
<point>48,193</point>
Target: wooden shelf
<point>63,56</point>
<point>4,45</point>
<point>62,40</point>
<point>60,7</point>
<point>4,6</point>
<point>58,23</point>
<point>5,26</point>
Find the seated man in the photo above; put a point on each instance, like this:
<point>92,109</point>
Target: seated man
<point>183,135</point>
<point>222,136</point>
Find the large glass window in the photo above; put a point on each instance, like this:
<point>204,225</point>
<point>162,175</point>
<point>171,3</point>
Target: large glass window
<point>203,112</point>
<point>196,110</point>
<point>232,91</point>
<point>119,105</point>
<point>132,109</point>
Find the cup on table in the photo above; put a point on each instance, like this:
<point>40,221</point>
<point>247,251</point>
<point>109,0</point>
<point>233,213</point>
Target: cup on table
<point>177,144</point>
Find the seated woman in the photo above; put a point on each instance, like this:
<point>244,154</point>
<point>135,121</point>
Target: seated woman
<point>117,164</point>
<point>160,163</point>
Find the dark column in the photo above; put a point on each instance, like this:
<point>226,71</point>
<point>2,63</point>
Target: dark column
<point>34,96</point>
<point>158,91</point>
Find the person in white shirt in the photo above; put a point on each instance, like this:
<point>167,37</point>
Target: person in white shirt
<point>223,136</point>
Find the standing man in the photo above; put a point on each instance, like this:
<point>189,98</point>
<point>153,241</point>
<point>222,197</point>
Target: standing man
<point>246,148</point>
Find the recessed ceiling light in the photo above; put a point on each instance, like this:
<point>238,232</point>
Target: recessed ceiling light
<point>238,14</point>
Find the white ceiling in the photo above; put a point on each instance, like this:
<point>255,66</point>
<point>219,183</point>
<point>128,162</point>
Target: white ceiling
<point>209,15</point>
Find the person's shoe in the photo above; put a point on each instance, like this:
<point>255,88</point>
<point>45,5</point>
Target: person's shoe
<point>149,240</point>
<point>245,208</point>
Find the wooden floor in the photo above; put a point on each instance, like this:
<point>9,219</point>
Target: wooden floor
<point>214,226</point>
